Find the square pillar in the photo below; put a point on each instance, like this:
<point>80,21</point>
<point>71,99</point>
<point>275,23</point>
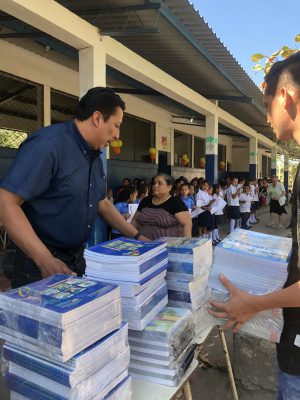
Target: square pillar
<point>274,161</point>
<point>253,157</point>
<point>47,105</point>
<point>286,171</point>
<point>211,149</point>
<point>92,73</point>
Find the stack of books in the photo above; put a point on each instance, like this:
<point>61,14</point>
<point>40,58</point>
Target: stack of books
<point>162,352</point>
<point>189,263</point>
<point>256,263</point>
<point>64,339</point>
<point>139,269</point>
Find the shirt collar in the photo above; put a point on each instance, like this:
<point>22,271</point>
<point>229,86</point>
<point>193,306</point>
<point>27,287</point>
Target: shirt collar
<point>81,142</point>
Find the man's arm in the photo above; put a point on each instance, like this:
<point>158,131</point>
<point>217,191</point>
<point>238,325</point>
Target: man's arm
<point>112,216</point>
<point>243,306</point>
<point>20,231</point>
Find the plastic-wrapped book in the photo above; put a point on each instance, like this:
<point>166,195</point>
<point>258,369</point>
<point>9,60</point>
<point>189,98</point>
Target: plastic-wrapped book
<point>188,257</point>
<point>126,260</point>
<point>144,293</point>
<point>187,294</point>
<point>161,352</point>
<point>34,377</point>
<point>58,316</point>
<point>256,263</point>
<point>253,261</point>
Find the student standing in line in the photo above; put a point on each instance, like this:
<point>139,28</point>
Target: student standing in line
<point>218,216</point>
<point>245,200</point>
<point>255,201</point>
<point>205,223</point>
<point>186,198</point>
<point>233,212</point>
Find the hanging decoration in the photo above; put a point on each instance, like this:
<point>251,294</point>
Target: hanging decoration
<point>222,165</point>
<point>116,146</point>
<point>185,160</point>
<point>152,153</point>
<point>202,162</point>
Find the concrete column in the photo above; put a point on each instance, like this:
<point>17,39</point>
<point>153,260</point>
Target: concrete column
<point>92,73</point>
<point>274,161</point>
<point>286,171</point>
<point>211,149</point>
<point>253,157</point>
<point>47,105</point>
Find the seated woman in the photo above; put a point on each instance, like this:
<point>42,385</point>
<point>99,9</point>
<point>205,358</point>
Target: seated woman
<point>161,214</point>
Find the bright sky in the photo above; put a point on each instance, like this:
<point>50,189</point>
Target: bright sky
<point>247,27</point>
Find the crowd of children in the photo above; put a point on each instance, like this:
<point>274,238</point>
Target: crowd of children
<point>240,200</point>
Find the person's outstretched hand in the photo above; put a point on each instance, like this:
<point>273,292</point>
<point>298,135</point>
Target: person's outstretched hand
<point>237,310</point>
<point>52,265</point>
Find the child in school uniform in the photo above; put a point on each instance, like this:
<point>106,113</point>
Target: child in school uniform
<point>185,196</point>
<point>245,200</point>
<point>218,216</point>
<point>205,222</point>
<point>233,212</point>
<point>126,196</point>
<point>255,200</point>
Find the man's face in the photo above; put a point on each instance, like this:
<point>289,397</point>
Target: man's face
<point>107,131</point>
<point>277,116</point>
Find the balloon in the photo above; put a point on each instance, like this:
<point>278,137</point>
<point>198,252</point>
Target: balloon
<point>152,156</point>
<point>114,143</point>
<point>184,157</point>
<point>222,165</point>
<point>116,150</point>
<point>202,162</point>
<point>119,143</point>
<point>152,150</point>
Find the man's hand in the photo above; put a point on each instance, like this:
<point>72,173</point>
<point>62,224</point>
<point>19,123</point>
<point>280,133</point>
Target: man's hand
<point>240,307</point>
<point>144,239</point>
<point>52,266</point>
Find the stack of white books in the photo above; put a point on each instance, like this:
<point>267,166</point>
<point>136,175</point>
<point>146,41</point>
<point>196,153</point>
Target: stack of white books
<point>162,352</point>
<point>64,339</point>
<point>139,269</point>
<point>256,263</point>
<point>189,263</point>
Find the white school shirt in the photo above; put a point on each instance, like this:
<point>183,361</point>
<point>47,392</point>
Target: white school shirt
<point>215,196</point>
<point>253,192</point>
<point>245,207</point>
<point>230,200</point>
<point>204,197</point>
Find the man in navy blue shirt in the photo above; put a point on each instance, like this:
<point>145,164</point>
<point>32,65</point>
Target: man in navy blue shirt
<point>56,187</point>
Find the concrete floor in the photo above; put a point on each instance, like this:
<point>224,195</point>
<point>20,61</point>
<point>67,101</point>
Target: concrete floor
<point>212,383</point>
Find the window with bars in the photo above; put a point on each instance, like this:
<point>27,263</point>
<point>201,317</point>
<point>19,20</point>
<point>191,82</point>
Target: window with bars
<point>264,166</point>
<point>137,136</point>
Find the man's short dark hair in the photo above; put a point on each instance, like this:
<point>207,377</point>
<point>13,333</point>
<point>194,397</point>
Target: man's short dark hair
<point>283,72</point>
<point>99,99</point>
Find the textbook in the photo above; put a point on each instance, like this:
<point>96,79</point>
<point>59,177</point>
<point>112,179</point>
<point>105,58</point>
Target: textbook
<point>189,256</point>
<point>253,261</point>
<point>162,351</point>
<point>78,368</point>
<point>97,387</point>
<point>58,316</point>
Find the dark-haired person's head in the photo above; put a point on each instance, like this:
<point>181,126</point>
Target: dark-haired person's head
<point>98,117</point>
<point>142,191</point>
<point>126,182</point>
<point>282,97</point>
<point>128,194</point>
<point>161,185</point>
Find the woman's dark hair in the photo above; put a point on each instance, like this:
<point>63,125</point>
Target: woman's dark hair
<point>283,72</point>
<point>99,99</point>
<point>203,182</point>
<point>125,193</point>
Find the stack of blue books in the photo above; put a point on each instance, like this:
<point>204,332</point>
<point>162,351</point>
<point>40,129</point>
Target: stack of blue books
<point>162,352</point>
<point>139,268</point>
<point>256,263</point>
<point>64,339</point>
<point>189,263</point>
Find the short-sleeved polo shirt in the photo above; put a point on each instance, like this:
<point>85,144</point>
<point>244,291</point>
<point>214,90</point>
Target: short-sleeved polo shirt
<point>62,181</point>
